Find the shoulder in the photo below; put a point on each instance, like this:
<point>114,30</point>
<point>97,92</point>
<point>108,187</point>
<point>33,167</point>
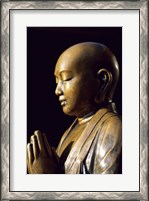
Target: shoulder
<point>113,121</point>
<point>110,120</point>
<point>108,144</point>
<point>110,131</point>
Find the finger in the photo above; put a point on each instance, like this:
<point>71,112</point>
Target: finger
<point>35,146</point>
<point>30,156</point>
<point>47,146</point>
<point>39,140</point>
<point>28,168</point>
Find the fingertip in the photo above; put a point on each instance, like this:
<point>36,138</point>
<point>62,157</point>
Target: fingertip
<point>30,152</point>
<point>37,132</point>
<point>28,145</point>
<point>33,137</point>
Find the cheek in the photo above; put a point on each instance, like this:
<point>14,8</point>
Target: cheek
<point>73,93</point>
<point>79,90</point>
<point>73,96</point>
<point>72,88</point>
<point>90,88</point>
<point>68,90</point>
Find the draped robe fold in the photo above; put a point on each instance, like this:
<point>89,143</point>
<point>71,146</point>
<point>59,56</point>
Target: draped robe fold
<point>98,148</point>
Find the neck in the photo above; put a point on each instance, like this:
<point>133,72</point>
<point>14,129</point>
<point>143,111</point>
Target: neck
<point>86,118</point>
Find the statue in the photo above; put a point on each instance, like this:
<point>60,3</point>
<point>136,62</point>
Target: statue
<point>86,76</point>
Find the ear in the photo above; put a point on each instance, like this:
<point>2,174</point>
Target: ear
<point>104,78</point>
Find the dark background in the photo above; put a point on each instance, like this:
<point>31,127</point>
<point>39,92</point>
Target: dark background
<point>44,46</point>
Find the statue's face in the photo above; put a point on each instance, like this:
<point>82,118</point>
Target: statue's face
<point>76,86</point>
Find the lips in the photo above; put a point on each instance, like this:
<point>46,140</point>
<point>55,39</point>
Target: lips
<point>62,101</point>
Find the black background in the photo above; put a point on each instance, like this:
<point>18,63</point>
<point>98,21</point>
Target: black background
<point>44,46</point>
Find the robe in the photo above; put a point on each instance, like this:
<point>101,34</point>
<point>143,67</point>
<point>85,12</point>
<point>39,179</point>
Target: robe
<point>98,148</point>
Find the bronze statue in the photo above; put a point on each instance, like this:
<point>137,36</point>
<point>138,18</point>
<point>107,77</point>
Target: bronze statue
<point>86,76</point>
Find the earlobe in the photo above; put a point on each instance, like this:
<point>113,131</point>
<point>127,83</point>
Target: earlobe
<point>105,80</point>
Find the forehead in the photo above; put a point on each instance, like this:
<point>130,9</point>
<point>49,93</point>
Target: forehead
<point>69,62</point>
<point>79,59</point>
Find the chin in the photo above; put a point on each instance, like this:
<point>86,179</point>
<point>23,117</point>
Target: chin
<point>68,112</point>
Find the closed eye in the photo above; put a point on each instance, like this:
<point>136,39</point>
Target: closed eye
<point>67,79</point>
<point>66,75</point>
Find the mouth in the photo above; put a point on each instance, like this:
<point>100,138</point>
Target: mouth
<point>62,102</point>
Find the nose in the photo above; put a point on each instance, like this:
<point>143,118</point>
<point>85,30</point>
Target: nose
<point>58,90</point>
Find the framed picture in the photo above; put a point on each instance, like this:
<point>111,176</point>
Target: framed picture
<point>33,36</point>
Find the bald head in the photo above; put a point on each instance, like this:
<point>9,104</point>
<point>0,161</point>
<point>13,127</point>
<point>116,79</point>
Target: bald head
<point>89,55</point>
<point>92,61</point>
